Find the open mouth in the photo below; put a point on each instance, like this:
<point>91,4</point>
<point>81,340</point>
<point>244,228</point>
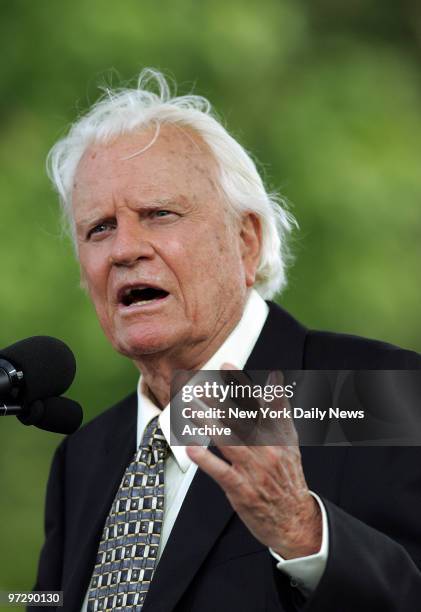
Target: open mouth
<point>140,295</point>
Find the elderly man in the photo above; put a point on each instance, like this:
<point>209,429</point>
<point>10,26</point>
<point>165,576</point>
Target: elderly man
<point>178,243</point>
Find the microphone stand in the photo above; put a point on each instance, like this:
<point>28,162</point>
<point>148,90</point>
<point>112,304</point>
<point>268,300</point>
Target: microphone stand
<point>8,409</point>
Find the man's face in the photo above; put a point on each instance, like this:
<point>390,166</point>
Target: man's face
<point>164,261</point>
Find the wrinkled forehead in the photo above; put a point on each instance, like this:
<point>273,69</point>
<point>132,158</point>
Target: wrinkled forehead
<point>159,156</point>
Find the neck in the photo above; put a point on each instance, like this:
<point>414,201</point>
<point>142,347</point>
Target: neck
<point>158,369</point>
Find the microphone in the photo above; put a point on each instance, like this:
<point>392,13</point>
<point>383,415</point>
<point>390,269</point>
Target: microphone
<point>56,414</point>
<point>33,373</point>
<point>36,368</point>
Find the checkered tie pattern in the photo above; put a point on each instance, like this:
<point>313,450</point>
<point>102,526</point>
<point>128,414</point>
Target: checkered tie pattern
<point>128,549</point>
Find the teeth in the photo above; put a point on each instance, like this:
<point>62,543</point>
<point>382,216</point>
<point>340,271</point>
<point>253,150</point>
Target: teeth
<point>141,302</point>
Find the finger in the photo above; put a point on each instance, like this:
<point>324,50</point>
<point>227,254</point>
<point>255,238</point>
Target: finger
<point>230,373</point>
<point>216,468</point>
<point>237,455</point>
<point>252,461</point>
<point>211,421</point>
<point>241,430</point>
<point>241,395</point>
<point>275,377</point>
<point>179,380</point>
<point>285,426</point>
<point>253,458</point>
<point>229,366</point>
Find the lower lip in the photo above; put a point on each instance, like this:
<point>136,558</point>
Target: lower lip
<point>148,306</point>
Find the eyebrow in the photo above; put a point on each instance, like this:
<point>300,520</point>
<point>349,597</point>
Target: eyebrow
<point>150,206</point>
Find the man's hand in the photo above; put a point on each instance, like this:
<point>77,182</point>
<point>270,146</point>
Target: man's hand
<point>266,487</point>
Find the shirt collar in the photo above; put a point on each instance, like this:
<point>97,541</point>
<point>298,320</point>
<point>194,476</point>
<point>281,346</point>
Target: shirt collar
<point>236,350</point>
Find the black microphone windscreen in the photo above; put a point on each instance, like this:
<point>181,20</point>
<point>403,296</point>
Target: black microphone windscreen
<point>56,414</point>
<point>48,366</point>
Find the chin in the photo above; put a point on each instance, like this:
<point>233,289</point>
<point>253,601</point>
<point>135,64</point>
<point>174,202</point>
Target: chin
<point>135,344</point>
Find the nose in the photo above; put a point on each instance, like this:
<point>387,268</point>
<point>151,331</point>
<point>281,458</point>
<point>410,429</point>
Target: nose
<point>130,243</point>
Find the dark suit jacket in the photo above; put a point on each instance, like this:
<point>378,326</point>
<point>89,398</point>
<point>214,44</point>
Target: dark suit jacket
<point>211,561</point>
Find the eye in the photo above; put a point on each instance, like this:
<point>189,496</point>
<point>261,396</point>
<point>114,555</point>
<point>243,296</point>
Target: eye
<point>162,213</point>
<point>100,228</point>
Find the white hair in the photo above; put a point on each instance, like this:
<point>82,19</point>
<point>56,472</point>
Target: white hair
<point>121,111</point>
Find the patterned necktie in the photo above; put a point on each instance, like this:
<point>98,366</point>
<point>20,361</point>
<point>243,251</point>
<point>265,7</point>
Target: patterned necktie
<point>128,549</point>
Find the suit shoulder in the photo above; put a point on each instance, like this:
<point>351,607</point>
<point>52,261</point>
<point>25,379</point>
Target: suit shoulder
<point>328,350</point>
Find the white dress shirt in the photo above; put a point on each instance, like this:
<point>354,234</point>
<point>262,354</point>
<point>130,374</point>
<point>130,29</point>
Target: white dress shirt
<point>304,572</point>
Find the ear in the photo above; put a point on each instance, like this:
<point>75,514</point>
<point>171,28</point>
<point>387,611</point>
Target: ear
<point>250,244</point>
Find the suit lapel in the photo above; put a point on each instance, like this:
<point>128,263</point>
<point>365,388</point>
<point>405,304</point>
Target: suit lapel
<point>281,343</point>
<point>113,455</point>
<point>206,510</point>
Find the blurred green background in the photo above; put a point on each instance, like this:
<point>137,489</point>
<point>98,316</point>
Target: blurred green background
<point>326,95</point>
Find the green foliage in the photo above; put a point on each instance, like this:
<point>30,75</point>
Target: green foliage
<point>326,95</point>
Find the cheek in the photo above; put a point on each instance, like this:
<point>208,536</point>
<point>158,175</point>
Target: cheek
<point>93,274</point>
<point>217,246</point>
<point>204,260</point>
<point>194,260</point>
<point>217,264</point>
<point>226,255</point>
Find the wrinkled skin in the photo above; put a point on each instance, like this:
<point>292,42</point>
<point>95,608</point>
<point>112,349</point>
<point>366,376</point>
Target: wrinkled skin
<point>153,214</point>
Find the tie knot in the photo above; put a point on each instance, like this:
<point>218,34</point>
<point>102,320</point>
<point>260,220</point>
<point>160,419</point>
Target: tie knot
<point>154,439</point>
